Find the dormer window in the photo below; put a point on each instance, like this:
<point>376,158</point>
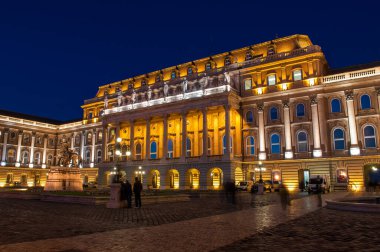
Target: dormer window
<point>227,61</point>
<point>173,75</point>
<point>271,49</point>
<point>158,78</point>
<point>189,71</point>
<point>271,79</point>
<point>297,75</point>
<point>143,82</point>
<point>208,66</point>
<point>248,55</point>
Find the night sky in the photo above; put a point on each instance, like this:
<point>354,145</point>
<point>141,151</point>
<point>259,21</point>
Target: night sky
<point>55,54</point>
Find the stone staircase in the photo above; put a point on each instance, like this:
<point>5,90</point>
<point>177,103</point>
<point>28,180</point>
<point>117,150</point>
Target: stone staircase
<point>340,188</point>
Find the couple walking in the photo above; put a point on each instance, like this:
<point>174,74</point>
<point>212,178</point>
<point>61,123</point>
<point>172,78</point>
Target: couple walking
<point>126,192</point>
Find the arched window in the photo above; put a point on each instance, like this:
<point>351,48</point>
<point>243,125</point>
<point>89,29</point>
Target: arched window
<point>89,138</point>
<point>26,138</point>
<point>300,110</point>
<point>209,146</point>
<point>25,157</point>
<point>98,156</point>
<point>249,116</point>
<point>37,158</point>
<point>188,147</point>
<point>297,75</point>
<point>138,152</point>
<point>100,136</point>
<point>302,141</point>
<point>271,79</point>
<point>50,160</point>
<point>153,150</point>
<point>173,75</point>
<point>335,106</point>
<point>339,142</point>
<point>273,113</point>
<point>225,144</point>
<point>365,101</point>
<point>170,148</point>
<point>250,145</point>
<point>110,154</point>
<point>88,156</point>
<point>275,144</point>
<point>11,156</point>
<point>369,137</point>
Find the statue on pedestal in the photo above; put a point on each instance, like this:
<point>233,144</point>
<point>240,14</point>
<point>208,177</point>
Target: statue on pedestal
<point>204,83</point>
<point>133,96</point>
<point>166,90</point>
<point>105,101</point>
<point>119,98</point>
<point>149,94</point>
<point>227,78</point>
<point>67,157</point>
<point>184,86</point>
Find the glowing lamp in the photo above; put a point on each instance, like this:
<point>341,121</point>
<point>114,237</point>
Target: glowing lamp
<point>311,82</point>
<point>259,91</point>
<point>118,139</point>
<point>284,86</point>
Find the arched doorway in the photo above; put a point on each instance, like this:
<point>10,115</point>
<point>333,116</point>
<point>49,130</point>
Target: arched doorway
<point>238,175</point>
<point>154,178</point>
<point>215,179</point>
<point>173,179</point>
<point>192,178</point>
<point>372,177</point>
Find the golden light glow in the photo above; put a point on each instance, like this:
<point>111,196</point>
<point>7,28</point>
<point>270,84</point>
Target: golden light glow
<point>259,91</point>
<point>311,82</point>
<point>284,86</point>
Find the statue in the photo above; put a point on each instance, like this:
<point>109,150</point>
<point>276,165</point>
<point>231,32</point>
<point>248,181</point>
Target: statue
<point>119,98</point>
<point>184,86</point>
<point>105,101</point>
<point>204,83</point>
<point>227,78</point>
<point>67,157</point>
<point>166,90</point>
<point>149,94</point>
<point>133,97</point>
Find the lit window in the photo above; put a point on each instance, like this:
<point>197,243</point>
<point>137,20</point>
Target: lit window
<point>25,157</point>
<point>300,110</point>
<point>297,75</point>
<point>339,142</point>
<point>50,160</point>
<point>250,145</point>
<point>100,136</point>
<point>153,150</point>
<point>188,147</point>
<point>88,157</point>
<point>302,141</point>
<point>99,156</point>
<point>174,75</point>
<point>170,148</point>
<point>11,156</point>
<point>209,146</point>
<point>271,79</point>
<point>89,138</point>
<point>341,176</point>
<point>247,84</point>
<point>365,101</point>
<point>249,117</point>
<point>138,153</point>
<point>225,144</point>
<point>335,106</point>
<point>37,158</point>
<point>369,137</point>
<point>275,144</point>
<point>273,114</point>
<point>208,66</point>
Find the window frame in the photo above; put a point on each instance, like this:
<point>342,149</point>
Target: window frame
<point>302,142</point>
<point>249,112</point>
<point>331,105</point>
<point>250,84</point>
<point>301,74</point>
<point>250,146</point>
<point>269,78</point>
<point>270,113</point>
<point>153,154</point>
<point>335,139</point>
<point>170,153</point>
<point>369,100</point>
<point>275,144</point>
<point>369,137</point>
<point>303,110</point>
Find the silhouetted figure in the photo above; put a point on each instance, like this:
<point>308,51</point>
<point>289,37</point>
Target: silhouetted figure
<point>229,190</point>
<point>319,192</point>
<point>284,196</point>
<point>137,188</point>
<point>128,193</point>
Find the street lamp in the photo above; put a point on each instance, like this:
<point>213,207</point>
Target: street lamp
<point>260,185</point>
<point>140,173</point>
<point>119,155</point>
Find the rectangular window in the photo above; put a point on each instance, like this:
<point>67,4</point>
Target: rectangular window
<point>297,75</point>
<point>271,79</point>
<point>247,84</point>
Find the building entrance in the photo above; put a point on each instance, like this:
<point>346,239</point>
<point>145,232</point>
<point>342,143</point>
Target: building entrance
<point>303,179</point>
<point>372,177</point>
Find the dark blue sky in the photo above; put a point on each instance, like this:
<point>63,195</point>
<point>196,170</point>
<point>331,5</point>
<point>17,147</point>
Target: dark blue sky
<point>55,54</point>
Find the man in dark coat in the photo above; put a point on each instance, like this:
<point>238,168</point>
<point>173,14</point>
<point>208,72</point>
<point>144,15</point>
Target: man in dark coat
<point>128,193</point>
<point>137,188</point>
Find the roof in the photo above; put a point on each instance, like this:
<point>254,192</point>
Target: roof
<point>35,118</point>
<point>353,68</point>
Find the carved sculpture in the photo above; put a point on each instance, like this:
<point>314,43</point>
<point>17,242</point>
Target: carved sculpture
<point>105,101</point>
<point>227,78</point>
<point>119,98</point>
<point>184,86</point>
<point>133,97</point>
<point>67,157</point>
<point>166,90</point>
<point>149,94</point>
<point>204,83</point>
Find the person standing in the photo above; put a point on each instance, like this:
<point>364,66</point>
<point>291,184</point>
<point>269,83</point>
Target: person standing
<point>128,193</point>
<point>137,188</point>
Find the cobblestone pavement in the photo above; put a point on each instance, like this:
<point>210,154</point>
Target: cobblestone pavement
<point>28,220</point>
<point>323,230</point>
<point>198,234</point>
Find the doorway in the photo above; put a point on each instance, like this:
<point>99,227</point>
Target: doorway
<point>372,177</point>
<point>303,179</point>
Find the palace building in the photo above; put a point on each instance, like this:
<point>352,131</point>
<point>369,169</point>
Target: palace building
<point>273,109</point>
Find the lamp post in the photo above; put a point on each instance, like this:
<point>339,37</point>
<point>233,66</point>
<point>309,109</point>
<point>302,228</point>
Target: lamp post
<point>260,189</point>
<point>140,173</point>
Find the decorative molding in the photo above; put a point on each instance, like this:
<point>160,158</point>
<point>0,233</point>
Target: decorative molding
<point>349,95</point>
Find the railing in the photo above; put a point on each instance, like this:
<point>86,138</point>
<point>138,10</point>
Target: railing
<point>351,75</point>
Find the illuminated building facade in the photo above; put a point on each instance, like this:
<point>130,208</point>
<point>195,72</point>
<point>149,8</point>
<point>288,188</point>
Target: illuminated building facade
<point>201,123</point>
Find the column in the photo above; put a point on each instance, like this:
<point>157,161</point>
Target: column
<point>32,150</point>
<point>317,152</point>
<point>72,140</point>
<point>165,137</point>
<point>195,121</point>
<point>288,136</point>
<point>205,133</point>
<point>83,133</point>
<point>354,148</point>
<point>184,135</point>
<point>117,131</point>
<point>132,138</point>
<point>93,149</point>
<point>4,153</point>
<point>262,153</point>
<point>227,128</point>
<point>105,143</point>
<point>147,139</point>
<point>44,151</point>
<point>19,148</point>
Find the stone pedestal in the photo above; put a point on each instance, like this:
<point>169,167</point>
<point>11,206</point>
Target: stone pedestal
<point>63,179</point>
<point>115,201</point>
